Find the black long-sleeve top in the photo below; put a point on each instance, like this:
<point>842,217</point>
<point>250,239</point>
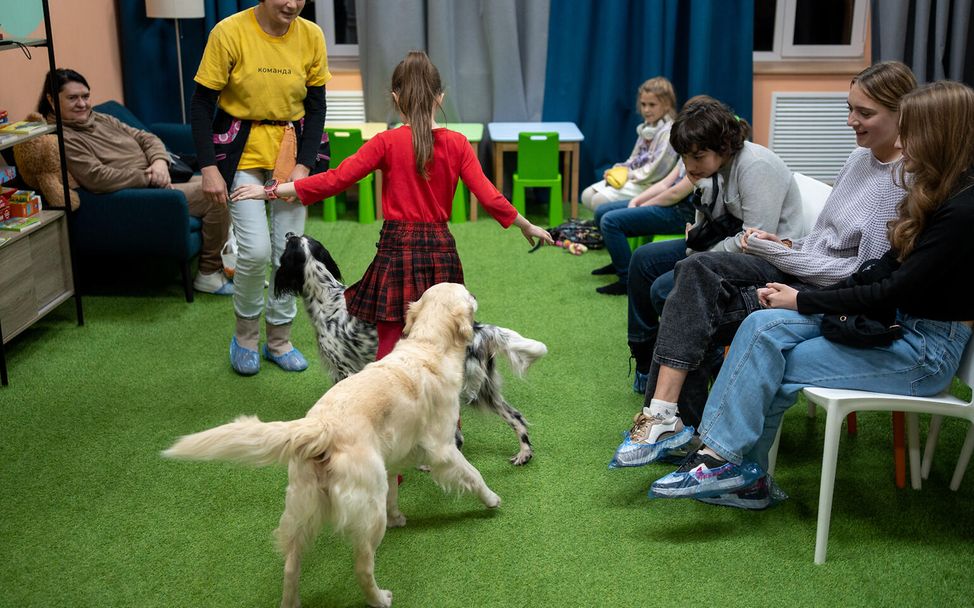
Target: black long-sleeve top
<point>931,283</point>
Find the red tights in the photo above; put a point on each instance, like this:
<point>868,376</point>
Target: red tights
<point>389,334</point>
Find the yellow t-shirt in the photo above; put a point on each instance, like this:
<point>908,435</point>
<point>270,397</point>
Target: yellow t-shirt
<point>263,77</point>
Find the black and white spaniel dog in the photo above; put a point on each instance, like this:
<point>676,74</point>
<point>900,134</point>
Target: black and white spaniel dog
<point>346,344</point>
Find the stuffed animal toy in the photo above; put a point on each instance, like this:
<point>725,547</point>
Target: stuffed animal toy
<point>39,164</point>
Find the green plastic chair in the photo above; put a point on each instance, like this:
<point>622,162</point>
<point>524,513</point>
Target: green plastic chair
<point>459,214</point>
<point>344,143</point>
<point>537,167</point>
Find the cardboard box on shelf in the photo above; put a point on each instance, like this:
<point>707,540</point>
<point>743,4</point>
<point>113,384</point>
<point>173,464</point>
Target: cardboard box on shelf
<point>25,208</point>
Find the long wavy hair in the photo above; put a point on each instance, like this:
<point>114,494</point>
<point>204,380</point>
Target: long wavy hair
<point>417,87</point>
<point>936,131</point>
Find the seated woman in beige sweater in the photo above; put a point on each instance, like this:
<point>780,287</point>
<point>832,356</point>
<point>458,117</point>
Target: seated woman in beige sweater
<point>106,155</point>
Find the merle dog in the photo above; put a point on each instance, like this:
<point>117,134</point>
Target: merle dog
<point>346,344</point>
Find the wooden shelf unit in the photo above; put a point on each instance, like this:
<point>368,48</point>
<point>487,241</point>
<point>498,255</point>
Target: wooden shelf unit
<point>37,269</point>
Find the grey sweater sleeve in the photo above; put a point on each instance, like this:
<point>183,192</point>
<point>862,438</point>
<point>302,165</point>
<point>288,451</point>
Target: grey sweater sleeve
<point>762,189</point>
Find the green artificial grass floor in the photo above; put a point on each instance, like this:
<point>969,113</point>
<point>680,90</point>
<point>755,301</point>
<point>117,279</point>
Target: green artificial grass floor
<point>92,516</point>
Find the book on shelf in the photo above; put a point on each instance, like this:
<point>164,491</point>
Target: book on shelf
<point>22,127</point>
<point>7,173</point>
<point>20,224</point>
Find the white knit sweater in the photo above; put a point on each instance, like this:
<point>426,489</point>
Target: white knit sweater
<point>851,228</point>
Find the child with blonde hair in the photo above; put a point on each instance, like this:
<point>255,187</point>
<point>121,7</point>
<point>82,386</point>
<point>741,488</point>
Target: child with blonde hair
<point>651,159</point>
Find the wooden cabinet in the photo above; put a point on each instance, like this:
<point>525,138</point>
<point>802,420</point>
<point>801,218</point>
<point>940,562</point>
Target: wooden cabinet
<point>35,273</point>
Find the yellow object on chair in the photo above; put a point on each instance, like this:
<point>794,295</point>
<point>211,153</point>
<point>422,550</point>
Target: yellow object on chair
<point>617,177</point>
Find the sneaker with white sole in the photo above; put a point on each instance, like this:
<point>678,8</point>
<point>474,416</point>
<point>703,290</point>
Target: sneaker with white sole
<point>649,439</point>
<point>754,497</point>
<point>704,476</point>
<point>214,282</point>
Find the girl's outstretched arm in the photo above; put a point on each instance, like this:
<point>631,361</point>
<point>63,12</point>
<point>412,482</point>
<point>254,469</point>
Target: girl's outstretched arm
<point>531,232</point>
<point>258,192</point>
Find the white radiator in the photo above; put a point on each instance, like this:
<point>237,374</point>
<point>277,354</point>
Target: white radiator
<point>345,106</point>
<point>809,133</point>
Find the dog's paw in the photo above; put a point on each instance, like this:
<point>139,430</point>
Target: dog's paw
<point>382,600</point>
<point>491,500</point>
<point>522,457</point>
<point>395,521</point>
<point>423,467</point>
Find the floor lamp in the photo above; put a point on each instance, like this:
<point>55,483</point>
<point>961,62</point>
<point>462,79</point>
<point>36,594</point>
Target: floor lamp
<point>176,10</point>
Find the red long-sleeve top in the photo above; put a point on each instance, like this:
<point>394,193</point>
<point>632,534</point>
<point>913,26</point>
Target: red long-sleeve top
<point>406,196</point>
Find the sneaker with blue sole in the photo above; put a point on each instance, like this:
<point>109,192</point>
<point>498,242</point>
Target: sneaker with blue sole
<point>244,361</point>
<point>649,439</point>
<point>639,382</point>
<point>761,494</point>
<point>703,476</point>
<point>291,361</point>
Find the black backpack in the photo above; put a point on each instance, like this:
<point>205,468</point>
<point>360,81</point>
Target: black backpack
<point>584,232</point>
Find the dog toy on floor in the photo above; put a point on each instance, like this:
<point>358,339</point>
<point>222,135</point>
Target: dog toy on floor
<point>572,248</point>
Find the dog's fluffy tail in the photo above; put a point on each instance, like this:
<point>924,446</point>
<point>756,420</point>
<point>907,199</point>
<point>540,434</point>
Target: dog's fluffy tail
<point>248,440</point>
<point>521,352</point>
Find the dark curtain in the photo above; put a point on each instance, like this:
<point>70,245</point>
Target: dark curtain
<point>600,51</point>
<point>930,36</point>
<point>148,46</point>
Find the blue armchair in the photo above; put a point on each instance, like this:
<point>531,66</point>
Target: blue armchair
<point>145,222</point>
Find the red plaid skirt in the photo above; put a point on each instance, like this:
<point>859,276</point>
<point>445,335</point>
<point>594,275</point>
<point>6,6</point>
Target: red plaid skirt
<point>411,258</point>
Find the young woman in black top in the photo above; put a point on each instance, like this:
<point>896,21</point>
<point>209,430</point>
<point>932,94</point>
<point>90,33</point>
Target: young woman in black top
<point>779,351</point>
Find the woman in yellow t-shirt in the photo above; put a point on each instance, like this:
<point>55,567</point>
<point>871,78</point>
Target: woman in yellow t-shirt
<point>262,76</point>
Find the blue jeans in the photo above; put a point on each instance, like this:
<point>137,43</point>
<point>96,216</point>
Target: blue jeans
<point>618,222</point>
<point>776,353</point>
<point>260,245</point>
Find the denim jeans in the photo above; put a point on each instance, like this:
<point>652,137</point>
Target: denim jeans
<point>707,296</point>
<point>617,222</point>
<point>260,245</point>
<point>776,353</point>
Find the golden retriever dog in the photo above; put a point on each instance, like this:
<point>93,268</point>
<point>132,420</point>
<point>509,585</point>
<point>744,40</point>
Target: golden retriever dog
<point>344,455</point>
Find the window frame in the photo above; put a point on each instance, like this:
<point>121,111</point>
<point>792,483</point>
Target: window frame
<point>325,17</point>
<point>785,50</point>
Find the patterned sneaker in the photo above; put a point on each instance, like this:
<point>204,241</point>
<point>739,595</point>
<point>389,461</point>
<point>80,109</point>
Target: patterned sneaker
<point>754,497</point>
<point>703,476</point>
<point>648,439</point>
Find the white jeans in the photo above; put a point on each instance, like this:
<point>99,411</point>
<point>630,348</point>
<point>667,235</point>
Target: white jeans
<point>259,245</point>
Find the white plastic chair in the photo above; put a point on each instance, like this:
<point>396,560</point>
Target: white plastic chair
<point>838,403</point>
<point>814,194</point>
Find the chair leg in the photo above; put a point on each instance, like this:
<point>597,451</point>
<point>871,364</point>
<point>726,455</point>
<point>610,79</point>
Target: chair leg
<point>773,452</point>
<point>517,197</point>
<point>933,434</point>
<point>899,449</point>
<point>556,212</point>
<point>459,214</point>
<point>187,281</point>
<point>962,462</point>
<point>366,203</point>
<point>330,209</point>
<point>913,444</point>
<point>830,454</point>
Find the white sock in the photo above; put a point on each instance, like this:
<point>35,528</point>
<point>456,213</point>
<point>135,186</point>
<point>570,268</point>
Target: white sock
<point>661,409</point>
